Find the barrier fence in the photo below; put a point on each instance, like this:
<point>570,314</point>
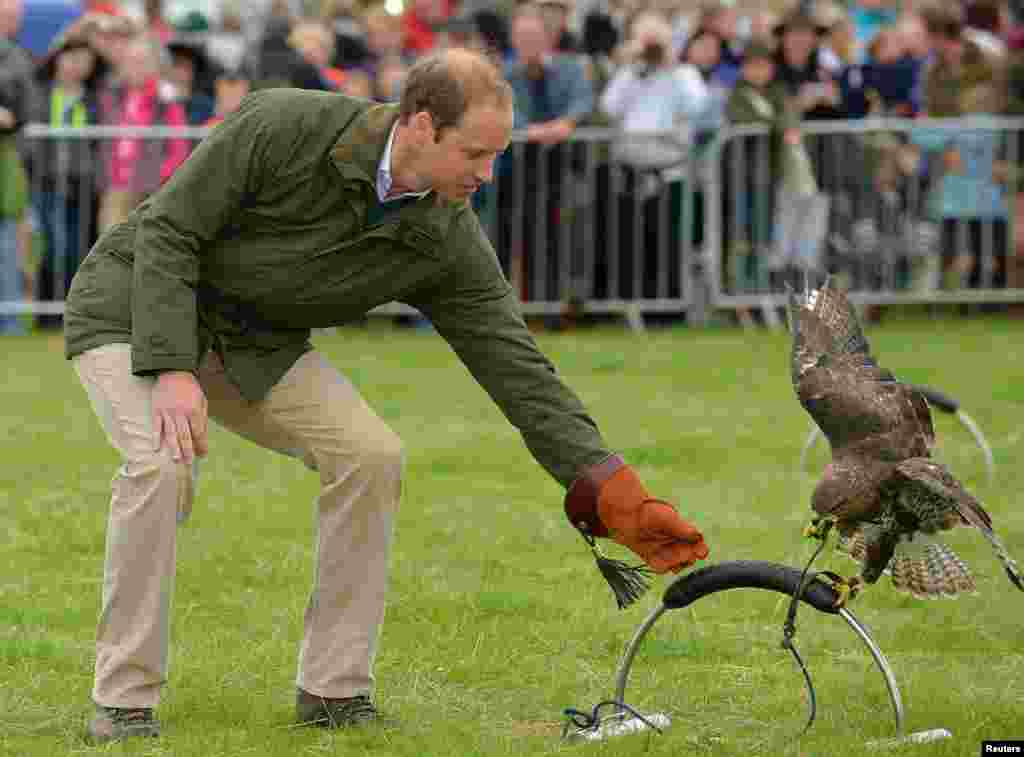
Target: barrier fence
<point>903,211</point>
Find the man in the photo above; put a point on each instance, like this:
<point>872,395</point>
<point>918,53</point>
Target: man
<point>552,94</point>
<point>304,210</point>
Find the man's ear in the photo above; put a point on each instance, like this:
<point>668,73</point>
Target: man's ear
<point>422,125</point>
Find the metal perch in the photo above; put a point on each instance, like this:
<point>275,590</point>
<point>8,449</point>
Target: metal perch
<point>938,400</point>
<point>751,574</point>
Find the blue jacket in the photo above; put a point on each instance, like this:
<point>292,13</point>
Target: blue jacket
<point>570,92</point>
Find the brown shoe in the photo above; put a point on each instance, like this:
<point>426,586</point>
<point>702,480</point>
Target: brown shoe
<point>326,712</point>
<point>117,723</point>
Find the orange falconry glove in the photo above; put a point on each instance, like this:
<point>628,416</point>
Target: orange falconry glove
<point>608,500</point>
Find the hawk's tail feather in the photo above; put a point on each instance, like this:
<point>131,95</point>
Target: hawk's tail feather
<point>928,569</point>
<point>1009,564</point>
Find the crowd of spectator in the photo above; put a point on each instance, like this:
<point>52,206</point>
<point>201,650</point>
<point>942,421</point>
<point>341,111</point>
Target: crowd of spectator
<point>633,65</point>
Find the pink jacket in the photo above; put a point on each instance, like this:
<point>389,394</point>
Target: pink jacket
<point>140,165</point>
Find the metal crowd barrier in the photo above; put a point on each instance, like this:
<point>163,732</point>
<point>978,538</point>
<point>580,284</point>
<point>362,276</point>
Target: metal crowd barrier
<point>69,199</point>
<point>904,211</point>
<point>647,224</point>
<point>573,225</point>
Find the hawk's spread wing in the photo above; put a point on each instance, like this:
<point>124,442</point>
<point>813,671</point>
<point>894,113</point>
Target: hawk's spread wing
<point>937,498</point>
<point>851,398</point>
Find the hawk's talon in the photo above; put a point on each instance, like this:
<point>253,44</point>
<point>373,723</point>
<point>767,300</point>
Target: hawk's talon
<point>819,528</point>
<point>846,588</point>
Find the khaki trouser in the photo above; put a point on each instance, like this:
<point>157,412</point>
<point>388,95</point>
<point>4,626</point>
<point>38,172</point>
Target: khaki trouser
<point>314,414</point>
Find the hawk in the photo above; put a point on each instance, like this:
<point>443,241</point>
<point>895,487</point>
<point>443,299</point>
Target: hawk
<point>882,490</point>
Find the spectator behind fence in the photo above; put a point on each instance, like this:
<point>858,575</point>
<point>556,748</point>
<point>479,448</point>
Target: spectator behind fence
<point>987,22</point>
<point>18,95</point>
<point>765,242</point>
<point>133,167</point>
<point>884,84</point>
<point>703,51</point>
<point>341,18</point>
<point>230,88</point>
<point>190,75</point>
<point>109,36</point>
<point>717,24</point>
<point>279,63</point>
<point>420,20</point>
<point>803,65</point>
<point>63,170</point>
<point>966,167</point>
<point>314,42</point>
<point>840,37</point>
<point>226,45</point>
<point>387,62</point>
<point>155,25</point>
<point>652,93</point>
<point>917,49</point>
<point>870,16</point>
<point>559,14</point>
<point>552,94</point>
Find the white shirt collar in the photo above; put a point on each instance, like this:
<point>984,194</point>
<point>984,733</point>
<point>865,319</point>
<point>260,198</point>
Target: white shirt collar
<point>384,180</point>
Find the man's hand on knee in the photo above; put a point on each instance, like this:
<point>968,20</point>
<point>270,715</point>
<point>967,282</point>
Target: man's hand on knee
<point>179,416</point>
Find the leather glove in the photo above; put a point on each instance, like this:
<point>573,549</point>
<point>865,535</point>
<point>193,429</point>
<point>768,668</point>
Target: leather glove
<point>608,500</point>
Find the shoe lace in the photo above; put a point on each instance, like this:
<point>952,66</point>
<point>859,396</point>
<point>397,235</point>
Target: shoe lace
<point>130,714</point>
<point>354,708</point>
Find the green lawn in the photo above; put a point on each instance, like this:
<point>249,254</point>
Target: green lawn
<point>498,619</point>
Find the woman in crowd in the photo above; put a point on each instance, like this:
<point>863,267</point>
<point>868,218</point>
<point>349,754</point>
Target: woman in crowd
<point>134,168</point>
<point>63,171</point>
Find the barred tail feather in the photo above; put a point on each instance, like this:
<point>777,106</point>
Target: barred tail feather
<point>928,569</point>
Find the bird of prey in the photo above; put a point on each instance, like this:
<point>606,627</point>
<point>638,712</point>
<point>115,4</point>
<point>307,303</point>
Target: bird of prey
<point>882,490</point>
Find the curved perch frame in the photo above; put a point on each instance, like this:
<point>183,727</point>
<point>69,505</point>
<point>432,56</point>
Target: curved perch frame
<point>754,574</point>
<point>938,400</point>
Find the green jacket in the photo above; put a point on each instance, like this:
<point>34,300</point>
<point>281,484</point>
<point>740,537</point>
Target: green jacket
<point>262,234</point>
<point>769,106</point>
<point>977,85</point>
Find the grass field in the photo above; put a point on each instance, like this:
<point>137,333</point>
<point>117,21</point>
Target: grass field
<point>497,619</point>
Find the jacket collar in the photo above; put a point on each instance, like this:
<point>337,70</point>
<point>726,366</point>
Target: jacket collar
<point>357,155</point>
<point>358,151</point>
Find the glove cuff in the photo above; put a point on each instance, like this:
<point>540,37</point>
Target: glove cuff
<point>582,498</point>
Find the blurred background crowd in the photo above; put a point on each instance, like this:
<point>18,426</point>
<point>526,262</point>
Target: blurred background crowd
<point>678,66</point>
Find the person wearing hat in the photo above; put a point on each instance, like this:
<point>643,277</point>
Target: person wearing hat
<point>190,75</point>
<point>108,33</point>
<point>62,170</point>
<point>805,67</point>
